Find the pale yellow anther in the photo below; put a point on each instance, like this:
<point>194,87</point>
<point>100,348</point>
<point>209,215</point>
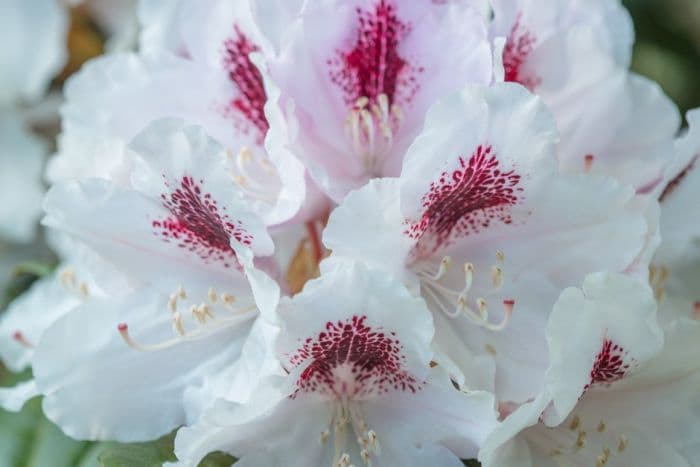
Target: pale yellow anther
<point>496,276</point>
<point>67,277</point>
<point>212,295</point>
<point>172,303</point>
<point>490,349</point>
<point>500,256</point>
<point>580,440</point>
<point>238,179</point>
<point>601,426</point>
<point>364,454</point>
<point>483,307</point>
<point>245,154</point>
<point>83,289</point>
<point>362,102</point>
<point>324,436</point>
<point>268,167</point>
<point>181,292</point>
<point>177,323</point>
<point>622,445</point>
<point>228,299</point>
<point>575,423</point>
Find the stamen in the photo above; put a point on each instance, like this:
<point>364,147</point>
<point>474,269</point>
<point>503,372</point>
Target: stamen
<point>181,293</point>
<point>20,339</point>
<point>444,267</point>
<point>183,335</point>
<point>696,311</point>
<point>588,162</point>
<point>370,126</point>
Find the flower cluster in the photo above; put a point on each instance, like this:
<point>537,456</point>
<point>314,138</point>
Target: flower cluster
<point>372,232</point>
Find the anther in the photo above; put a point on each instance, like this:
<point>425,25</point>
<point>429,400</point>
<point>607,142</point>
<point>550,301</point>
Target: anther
<point>588,162</point>
<point>212,295</point>
<point>696,311</point>
<point>575,422</point>
<point>622,445</point>
<point>228,299</point>
<point>443,268</point>
<point>601,426</point>
<point>84,289</point>
<point>172,303</point>
<point>324,436</point>
<point>20,339</point>
<point>500,256</point>
<point>580,440</point>
<point>181,292</point>
<point>178,327</point>
<point>496,276</point>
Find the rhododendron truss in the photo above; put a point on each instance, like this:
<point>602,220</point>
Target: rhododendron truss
<point>370,232</point>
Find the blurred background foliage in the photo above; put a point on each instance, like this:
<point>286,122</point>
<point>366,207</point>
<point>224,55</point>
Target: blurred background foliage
<point>668,46</point>
<point>667,50</point>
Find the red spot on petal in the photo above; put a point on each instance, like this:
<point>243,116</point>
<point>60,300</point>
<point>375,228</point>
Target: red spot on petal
<point>351,359</point>
<point>519,45</point>
<point>197,224</point>
<point>249,104</point>
<point>611,364</point>
<point>373,66</point>
<point>464,202</point>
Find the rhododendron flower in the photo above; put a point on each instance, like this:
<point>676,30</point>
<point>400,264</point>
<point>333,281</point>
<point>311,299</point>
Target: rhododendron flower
<point>181,235</point>
<point>628,402</point>
<point>359,388</point>
<point>39,26</point>
<point>483,225</point>
<point>575,55</point>
<point>21,162</point>
<point>218,86</point>
<point>376,66</point>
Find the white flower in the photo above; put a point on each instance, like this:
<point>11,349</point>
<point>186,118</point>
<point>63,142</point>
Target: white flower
<point>356,346</point>
<point>180,233</point>
<point>635,406</point>
<point>356,79</point>
<point>575,54</point>
<point>485,227</point>
<point>21,162</point>
<point>211,80</point>
<point>39,26</point>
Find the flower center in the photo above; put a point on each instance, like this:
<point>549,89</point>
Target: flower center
<point>376,81</point>
<point>349,359</point>
<point>464,202</point>
<point>199,225</point>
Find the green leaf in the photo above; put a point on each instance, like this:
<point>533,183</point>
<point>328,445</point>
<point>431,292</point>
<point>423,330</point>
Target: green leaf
<point>151,454</point>
<point>217,459</point>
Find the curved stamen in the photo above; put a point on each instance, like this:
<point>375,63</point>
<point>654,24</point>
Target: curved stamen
<point>183,335</point>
